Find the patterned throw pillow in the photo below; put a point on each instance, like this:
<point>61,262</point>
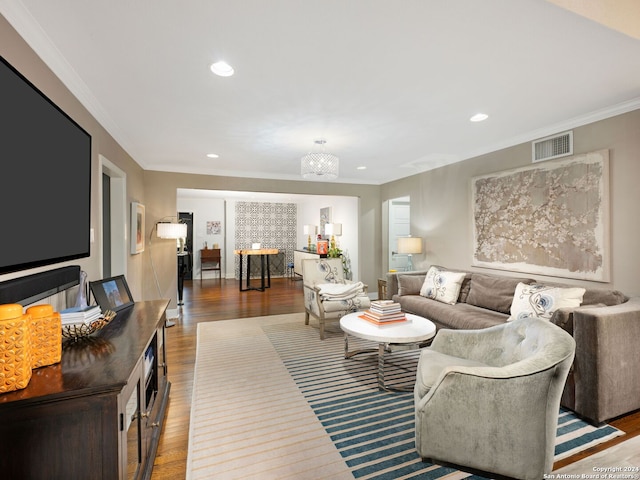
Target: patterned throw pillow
<point>542,301</point>
<point>442,285</point>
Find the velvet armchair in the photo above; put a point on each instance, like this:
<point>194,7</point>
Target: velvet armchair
<point>489,399</point>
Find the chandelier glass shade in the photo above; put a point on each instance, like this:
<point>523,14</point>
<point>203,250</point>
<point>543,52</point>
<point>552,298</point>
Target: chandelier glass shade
<point>320,166</point>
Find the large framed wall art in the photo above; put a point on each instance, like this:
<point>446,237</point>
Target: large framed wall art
<point>550,218</point>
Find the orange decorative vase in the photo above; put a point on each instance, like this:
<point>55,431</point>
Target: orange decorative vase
<point>46,335</point>
<point>15,348</point>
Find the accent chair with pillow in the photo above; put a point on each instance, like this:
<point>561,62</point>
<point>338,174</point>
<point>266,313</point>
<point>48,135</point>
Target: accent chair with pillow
<point>489,399</point>
<point>327,294</point>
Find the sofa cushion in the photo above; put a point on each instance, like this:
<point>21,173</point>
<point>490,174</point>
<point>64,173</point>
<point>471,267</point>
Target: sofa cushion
<point>465,288</point>
<point>442,285</point>
<point>466,283</point>
<point>410,284</point>
<point>459,316</point>
<point>538,300</point>
<point>493,292</point>
<point>595,296</point>
<point>563,317</point>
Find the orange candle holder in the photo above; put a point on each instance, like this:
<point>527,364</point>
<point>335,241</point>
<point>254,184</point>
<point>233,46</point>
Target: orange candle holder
<point>46,336</point>
<point>15,348</point>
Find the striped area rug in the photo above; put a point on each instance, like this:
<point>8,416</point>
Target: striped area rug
<point>272,401</point>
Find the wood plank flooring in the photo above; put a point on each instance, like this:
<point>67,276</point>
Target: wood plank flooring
<point>216,299</point>
<point>210,301</point>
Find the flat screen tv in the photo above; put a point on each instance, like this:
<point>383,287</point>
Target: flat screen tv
<point>45,172</point>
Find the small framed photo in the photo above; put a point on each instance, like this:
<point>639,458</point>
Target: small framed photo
<point>137,228</point>
<point>112,293</point>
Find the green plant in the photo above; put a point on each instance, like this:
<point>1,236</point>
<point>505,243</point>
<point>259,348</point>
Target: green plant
<point>335,252</point>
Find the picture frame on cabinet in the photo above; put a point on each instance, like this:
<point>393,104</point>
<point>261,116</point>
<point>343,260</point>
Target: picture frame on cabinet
<point>112,293</point>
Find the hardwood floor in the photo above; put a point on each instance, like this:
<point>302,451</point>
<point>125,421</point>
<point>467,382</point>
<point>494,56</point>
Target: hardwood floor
<point>221,300</point>
<point>211,301</point>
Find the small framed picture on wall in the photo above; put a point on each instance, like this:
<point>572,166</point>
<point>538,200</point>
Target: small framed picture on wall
<point>214,227</point>
<point>137,228</point>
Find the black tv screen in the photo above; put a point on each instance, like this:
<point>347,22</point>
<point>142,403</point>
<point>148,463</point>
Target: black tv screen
<point>45,187</point>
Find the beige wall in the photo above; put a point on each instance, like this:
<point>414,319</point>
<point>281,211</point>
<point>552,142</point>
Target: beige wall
<point>157,190</point>
<point>161,197</point>
<point>441,211</point>
<point>22,57</point>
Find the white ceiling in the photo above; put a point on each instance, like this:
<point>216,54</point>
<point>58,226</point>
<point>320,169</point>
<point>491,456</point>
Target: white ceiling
<point>390,85</point>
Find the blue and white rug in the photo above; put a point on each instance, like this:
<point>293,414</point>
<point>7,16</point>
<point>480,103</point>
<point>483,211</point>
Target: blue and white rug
<point>270,401</point>
<point>374,430</point>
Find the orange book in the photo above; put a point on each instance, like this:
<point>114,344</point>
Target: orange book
<point>381,324</point>
<point>384,317</point>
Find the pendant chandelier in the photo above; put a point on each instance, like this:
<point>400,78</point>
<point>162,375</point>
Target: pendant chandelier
<point>319,165</point>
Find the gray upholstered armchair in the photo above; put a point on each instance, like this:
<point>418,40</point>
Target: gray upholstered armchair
<point>327,295</point>
<point>489,399</point>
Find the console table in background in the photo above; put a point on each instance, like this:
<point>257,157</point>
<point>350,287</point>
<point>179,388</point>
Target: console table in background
<point>264,264</point>
<point>298,256</point>
<point>210,259</point>
<point>99,412</point>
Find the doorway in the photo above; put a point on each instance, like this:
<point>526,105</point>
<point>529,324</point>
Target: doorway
<point>399,226</point>
<point>187,217</point>
<point>113,220</point>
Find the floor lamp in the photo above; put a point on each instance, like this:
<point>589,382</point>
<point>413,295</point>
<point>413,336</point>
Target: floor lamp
<point>167,230</point>
<point>409,246</point>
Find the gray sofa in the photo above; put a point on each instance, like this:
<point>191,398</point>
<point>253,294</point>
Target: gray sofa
<point>604,381</point>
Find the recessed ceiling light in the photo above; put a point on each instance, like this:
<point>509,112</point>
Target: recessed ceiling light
<point>213,155</point>
<point>479,117</point>
<point>361,167</point>
<point>222,69</point>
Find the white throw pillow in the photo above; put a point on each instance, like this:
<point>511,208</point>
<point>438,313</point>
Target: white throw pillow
<point>541,301</point>
<point>442,285</point>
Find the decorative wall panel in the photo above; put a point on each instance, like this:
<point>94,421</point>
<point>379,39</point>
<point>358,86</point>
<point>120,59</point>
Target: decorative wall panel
<point>274,225</point>
<point>551,218</point>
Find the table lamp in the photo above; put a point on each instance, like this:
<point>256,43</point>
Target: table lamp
<point>309,230</point>
<point>409,246</point>
<point>333,229</point>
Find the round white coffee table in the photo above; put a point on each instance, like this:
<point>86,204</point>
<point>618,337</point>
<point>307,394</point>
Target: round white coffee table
<point>415,333</point>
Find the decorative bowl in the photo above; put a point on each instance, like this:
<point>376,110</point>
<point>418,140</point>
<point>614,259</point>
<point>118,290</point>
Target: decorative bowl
<point>80,330</point>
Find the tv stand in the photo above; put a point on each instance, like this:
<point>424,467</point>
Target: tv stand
<point>99,412</point>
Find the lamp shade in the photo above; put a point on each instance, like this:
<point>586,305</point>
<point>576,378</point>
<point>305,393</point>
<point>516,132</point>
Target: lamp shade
<point>309,229</point>
<point>409,245</point>
<point>172,230</point>
<point>333,229</point>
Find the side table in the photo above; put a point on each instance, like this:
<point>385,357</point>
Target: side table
<point>382,289</point>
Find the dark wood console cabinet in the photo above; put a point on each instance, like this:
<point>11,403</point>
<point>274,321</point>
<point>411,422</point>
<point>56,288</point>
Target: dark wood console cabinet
<point>99,412</point>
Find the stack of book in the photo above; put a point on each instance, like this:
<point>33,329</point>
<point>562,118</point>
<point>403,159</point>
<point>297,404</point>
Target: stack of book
<point>384,312</point>
<point>75,315</point>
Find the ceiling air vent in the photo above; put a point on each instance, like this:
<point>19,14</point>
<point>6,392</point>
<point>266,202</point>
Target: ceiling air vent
<point>559,145</point>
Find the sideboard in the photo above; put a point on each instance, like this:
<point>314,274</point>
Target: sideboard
<point>99,412</point>
<point>298,256</point>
